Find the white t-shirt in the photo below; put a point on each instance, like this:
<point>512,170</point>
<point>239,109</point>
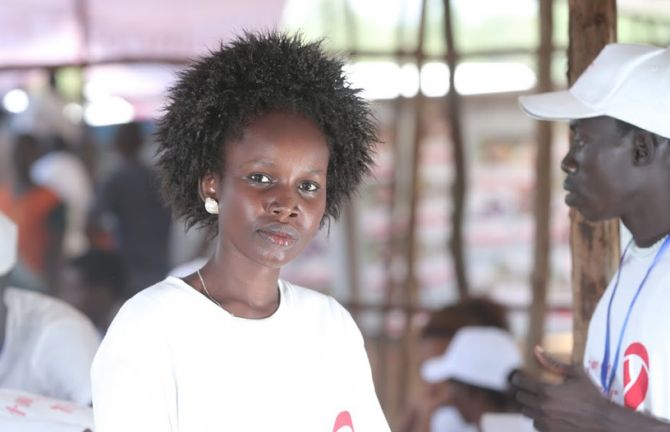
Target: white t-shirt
<point>506,422</point>
<point>642,380</point>
<point>174,361</point>
<point>48,348</point>
<point>448,419</point>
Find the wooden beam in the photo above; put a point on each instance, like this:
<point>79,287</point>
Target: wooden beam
<point>460,178</point>
<point>411,283</point>
<point>594,246</point>
<point>389,386</point>
<point>543,171</point>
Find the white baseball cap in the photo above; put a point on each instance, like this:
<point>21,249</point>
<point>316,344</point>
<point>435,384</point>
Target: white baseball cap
<point>626,81</point>
<point>479,356</point>
<point>8,244</point>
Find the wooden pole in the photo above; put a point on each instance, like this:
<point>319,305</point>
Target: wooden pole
<point>460,177</point>
<point>411,285</point>
<point>350,216</point>
<point>543,170</point>
<point>594,246</point>
<point>390,352</point>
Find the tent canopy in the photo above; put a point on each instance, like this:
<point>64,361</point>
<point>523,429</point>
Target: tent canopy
<point>39,33</point>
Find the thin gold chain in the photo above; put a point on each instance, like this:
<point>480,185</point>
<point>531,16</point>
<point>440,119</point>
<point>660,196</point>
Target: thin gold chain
<point>209,296</point>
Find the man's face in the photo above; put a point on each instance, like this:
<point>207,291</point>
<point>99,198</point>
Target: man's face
<point>599,167</point>
<point>273,192</point>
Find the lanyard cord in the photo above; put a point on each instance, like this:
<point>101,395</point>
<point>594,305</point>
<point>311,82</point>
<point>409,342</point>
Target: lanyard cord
<point>607,383</point>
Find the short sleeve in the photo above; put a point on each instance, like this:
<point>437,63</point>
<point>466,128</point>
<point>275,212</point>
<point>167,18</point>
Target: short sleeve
<point>133,383</point>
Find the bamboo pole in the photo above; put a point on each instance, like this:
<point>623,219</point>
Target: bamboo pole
<point>460,178</point>
<point>543,171</point>
<point>594,246</point>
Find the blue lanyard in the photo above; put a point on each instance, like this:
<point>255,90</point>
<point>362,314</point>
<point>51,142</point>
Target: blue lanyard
<point>607,383</point>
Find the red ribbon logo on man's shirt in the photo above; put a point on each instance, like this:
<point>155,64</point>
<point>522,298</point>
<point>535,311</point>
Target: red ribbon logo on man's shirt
<point>343,422</point>
<point>635,375</point>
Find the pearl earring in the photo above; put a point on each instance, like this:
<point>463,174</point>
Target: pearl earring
<point>211,206</point>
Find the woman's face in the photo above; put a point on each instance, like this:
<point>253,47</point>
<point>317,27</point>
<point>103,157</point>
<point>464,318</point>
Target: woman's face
<point>272,194</point>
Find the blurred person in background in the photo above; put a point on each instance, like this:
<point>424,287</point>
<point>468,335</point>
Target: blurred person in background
<point>94,283</point>
<point>474,372</point>
<point>430,411</point>
<point>61,170</point>
<point>128,205</point>
<point>46,346</point>
<point>40,216</point>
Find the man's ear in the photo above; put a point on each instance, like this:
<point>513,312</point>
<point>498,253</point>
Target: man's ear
<point>644,148</point>
<point>208,186</point>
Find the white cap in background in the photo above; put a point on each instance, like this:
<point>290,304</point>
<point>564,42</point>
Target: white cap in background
<point>626,81</point>
<point>8,244</point>
<point>479,356</point>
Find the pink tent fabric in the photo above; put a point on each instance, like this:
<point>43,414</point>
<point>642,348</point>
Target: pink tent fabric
<point>60,32</point>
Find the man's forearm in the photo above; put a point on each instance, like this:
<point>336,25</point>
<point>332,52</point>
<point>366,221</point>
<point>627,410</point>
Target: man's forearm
<point>622,419</point>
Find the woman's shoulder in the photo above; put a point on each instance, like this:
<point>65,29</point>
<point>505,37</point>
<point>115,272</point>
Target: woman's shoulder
<point>301,294</point>
<point>154,297</point>
<point>310,300</point>
<point>145,319</point>
<point>152,305</point>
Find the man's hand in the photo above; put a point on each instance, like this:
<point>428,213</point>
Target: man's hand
<point>573,405</point>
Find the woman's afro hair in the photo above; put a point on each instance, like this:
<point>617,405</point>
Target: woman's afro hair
<point>256,73</point>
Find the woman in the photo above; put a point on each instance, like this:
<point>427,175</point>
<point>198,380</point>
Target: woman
<point>262,141</point>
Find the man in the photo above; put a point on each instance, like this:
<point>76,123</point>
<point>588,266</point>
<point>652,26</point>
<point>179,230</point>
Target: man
<point>475,370</point>
<point>618,165</point>
<point>140,221</point>
<point>428,410</point>
<point>39,215</point>
<point>46,346</point>
<point>63,171</point>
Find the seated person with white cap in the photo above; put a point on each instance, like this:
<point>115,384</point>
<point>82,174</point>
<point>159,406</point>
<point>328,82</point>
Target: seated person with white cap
<point>426,410</point>
<point>475,370</point>
<point>618,166</point>
<point>46,346</point>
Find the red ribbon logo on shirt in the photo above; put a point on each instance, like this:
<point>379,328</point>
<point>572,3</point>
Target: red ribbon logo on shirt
<point>635,375</point>
<point>343,422</point>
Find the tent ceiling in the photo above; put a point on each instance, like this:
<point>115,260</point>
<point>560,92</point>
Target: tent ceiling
<point>61,32</point>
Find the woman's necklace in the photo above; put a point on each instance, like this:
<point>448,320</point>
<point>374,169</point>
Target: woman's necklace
<point>211,298</point>
<point>207,294</point>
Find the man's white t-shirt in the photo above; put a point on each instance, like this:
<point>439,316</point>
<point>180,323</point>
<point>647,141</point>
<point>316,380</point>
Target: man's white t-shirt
<point>448,419</point>
<point>506,422</point>
<point>174,361</point>
<point>642,380</point>
<point>48,349</point>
